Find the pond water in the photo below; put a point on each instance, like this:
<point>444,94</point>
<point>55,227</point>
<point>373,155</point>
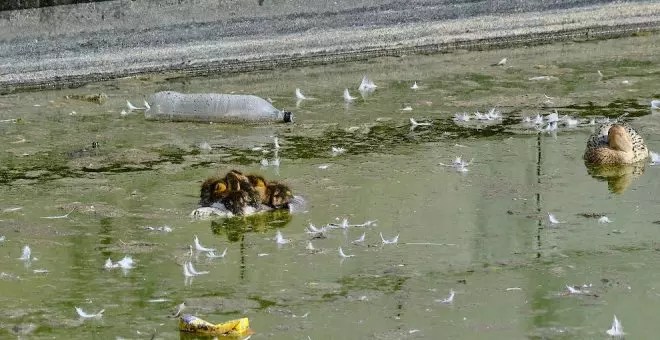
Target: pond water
<point>483,234</point>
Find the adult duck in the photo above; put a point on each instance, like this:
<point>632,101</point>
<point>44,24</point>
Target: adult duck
<point>615,143</point>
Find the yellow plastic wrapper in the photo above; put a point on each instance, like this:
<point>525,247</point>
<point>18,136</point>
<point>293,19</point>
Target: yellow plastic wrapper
<point>232,328</point>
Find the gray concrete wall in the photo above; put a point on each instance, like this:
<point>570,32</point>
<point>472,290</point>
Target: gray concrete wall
<point>71,44</point>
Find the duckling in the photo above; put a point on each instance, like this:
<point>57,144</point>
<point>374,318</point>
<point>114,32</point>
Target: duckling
<point>615,143</point>
<point>234,191</point>
<point>278,195</point>
<point>273,194</point>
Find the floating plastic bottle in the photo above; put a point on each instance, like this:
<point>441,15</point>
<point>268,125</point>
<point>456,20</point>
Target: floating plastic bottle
<point>213,107</point>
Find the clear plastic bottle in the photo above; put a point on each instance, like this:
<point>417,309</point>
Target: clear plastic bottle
<point>213,107</point>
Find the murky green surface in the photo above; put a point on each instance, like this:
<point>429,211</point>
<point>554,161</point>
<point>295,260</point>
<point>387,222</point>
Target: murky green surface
<point>487,231</point>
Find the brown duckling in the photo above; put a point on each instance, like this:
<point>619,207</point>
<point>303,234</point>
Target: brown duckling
<point>615,143</point>
<point>273,194</point>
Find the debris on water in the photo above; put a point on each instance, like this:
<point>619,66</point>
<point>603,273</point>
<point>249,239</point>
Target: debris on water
<point>97,98</point>
<point>276,143</point>
<point>2,238</point>
<point>299,94</point>
<point>366,85</point>
<point>189,270</point>
<point>393,240</point>
<point>336,151</point>
<point>492,114</point>
<point>543,78</point>
<point>324,166</point>
<point>132,107</point>
<point>213,255</point>
<point>604,219</point>
<point>655,104</point>
<point>8,210</point>
<point>343,255</point>
<point>576,290</point>
<point>125,263</point>
<point>500,63</point>
<point>414,124</point>
<point>462,117</point>
<point>164,229</point>
<point>178,310</point>
<point>40,271</point>
<point>239,328</point>
<point>513,288</point>
<point>655,158</point>
<point>26,255</point>
<point>616,330</point>
<point>60,216</point>
<point>414,86</point>
<point>553,219</point>
<point>448,299</point>
<point>360,239</point>
<point>407,108</point>
<point>159,300</point>
<point>84,315</point>
<point>310,246</point>
<point>459,164</point>
<point>199,247</point>
<point>279,239</point>
<point>205,146</point>
<point>347,97</point>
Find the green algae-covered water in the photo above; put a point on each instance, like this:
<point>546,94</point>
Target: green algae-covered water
<point>483,234</point>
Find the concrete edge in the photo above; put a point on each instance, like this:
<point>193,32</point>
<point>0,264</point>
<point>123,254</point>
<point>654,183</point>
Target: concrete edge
<point>228,66</point>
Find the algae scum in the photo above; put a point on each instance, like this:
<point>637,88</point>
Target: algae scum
<point>81,183</point>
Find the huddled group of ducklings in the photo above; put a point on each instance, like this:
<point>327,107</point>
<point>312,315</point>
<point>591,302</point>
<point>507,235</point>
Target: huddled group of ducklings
<point>238,191</point>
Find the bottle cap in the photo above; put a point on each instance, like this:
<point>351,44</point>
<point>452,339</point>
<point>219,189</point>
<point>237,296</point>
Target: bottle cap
<point>288,117</point>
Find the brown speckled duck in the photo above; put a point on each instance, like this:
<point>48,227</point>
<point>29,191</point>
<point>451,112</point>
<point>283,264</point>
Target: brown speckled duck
<point>615,143</point>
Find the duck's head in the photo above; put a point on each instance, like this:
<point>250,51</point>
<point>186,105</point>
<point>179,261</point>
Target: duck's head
<point>279,195</point>
<point>213,189</point>
<point>619,139</point>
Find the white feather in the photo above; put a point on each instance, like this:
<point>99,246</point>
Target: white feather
<point>655,104</point>
<point>26,255</point>
<point>347,96</point>
<point>279,238</point>
<point>361,239</point>
<point>213,255</point>
<point>88,316</point>
<point>394,240</point>
<point>616,330</point>
<point>199,247</point>
<point>299,94</point>
<point>341,253</point>
<point>192,270</point>
<point>366,84</point>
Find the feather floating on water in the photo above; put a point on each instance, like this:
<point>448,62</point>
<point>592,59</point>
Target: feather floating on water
<point>299,94</point>
<point>366,84</point>
<point>84,315</point>
<point>343,255</point>
<point>616,330</point>
<point>393,240</point>
<point>199,247</point>
<point>347,96</point>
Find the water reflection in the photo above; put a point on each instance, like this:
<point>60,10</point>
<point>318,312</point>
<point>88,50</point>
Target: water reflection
<point>618,176</point>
